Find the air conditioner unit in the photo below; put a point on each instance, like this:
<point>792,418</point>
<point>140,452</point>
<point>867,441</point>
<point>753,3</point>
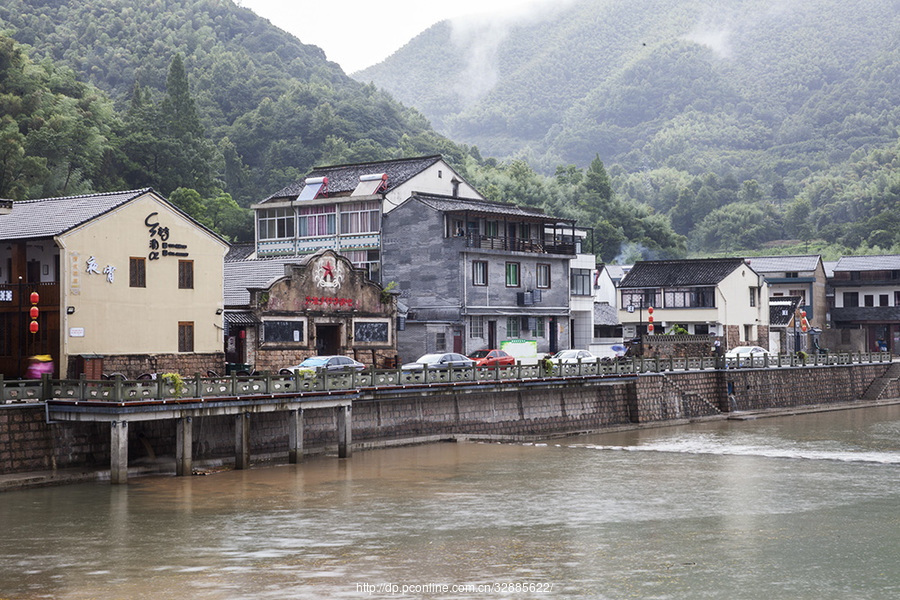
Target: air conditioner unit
<point>538,295</point>
<point>524,298</point>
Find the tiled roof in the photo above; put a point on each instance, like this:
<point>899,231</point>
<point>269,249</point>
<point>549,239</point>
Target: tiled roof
<point>47,217</point>
<point>617,272</point>
<point>240,275</point>
<point>676,273</point>
<point>781,310</point>
<point>345,178</point>
<point>868,263</point>
<point>240,252</point>
<point>776,264</point>
<point>453,204</point>
<point>829,266</point>
<point>604,314</point>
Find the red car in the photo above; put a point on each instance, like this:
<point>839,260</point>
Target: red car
<point>489,358</point>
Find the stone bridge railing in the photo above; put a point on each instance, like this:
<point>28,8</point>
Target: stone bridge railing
<point>121,390</point>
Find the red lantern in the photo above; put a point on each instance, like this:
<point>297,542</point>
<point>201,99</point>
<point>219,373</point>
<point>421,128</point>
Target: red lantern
<point>650,310</point>
<point>34,312</point>
<point>650,328</point>
<point>35,298</point>
<point>33,327</point>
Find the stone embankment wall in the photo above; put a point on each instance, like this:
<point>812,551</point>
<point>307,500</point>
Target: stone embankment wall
<point>553,407</point>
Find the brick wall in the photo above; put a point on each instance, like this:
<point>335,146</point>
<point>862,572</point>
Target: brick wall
<point>28,443</point>
<point>134,365</point>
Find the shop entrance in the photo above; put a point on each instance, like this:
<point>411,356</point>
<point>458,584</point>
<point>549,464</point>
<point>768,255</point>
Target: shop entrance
<point>328,339</point>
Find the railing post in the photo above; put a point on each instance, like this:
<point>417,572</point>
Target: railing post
<point>117,389</point>
<point>199,383</point>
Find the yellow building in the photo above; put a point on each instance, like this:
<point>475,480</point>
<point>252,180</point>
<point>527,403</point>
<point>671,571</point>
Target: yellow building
<point>126,280</point>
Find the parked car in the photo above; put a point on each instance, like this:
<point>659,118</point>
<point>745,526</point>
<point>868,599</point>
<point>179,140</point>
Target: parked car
<point>748,356</point>
<point>573,356</point>
<point>330,364</point>
<point>489,358</point>
<point>440,360</point>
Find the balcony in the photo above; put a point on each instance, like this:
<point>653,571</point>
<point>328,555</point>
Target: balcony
<point>516,244</point>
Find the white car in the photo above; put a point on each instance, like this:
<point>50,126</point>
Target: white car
<point>748,356</point>
<point>572,357</point>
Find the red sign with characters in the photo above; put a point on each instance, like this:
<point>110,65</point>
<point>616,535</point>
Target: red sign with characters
<point>329,301</point>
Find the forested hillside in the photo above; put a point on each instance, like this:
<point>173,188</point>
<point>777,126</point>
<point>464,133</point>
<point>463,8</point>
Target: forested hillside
<point>195,94</point>
<point>217,108</point>
<point>750,125</point>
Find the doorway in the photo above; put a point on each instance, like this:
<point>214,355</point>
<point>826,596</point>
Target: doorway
<point>492,334</point>
<point>328,339</point>
<point>554,336</point>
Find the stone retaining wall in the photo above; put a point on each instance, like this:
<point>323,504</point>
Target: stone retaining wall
<point>28,443</point>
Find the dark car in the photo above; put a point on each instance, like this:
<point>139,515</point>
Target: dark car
<point>329,364</point>
<point>489,358</point>
<point>440,360</point>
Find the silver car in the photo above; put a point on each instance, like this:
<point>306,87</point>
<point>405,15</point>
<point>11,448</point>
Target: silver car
<point>441,360</point>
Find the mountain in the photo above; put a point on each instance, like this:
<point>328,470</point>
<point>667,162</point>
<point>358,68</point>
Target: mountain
<point>641,82</point>
<point>726,117</point>
<point>270,106</point>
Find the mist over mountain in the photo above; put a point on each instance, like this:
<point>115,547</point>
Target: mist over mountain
<point>659,83</point>
<point>668,128</point>
<point>751,125</point>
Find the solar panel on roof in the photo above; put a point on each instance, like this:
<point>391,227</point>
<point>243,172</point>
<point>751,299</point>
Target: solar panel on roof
<point>314,186</point>
<point>370,184</point>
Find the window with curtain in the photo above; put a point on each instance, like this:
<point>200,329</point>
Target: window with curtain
<point>360,217</point>
<point>317,220</point>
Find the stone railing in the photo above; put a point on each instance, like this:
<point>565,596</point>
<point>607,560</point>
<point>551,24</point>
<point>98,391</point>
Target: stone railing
<point>169,389</point>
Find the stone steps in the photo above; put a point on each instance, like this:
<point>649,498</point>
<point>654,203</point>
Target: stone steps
<point>877,387</point>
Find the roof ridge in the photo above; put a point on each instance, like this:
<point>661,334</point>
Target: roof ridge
<point>376,162</point>
<point>134,192</point>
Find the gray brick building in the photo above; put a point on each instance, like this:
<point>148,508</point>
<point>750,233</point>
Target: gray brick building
<point>477,274</point>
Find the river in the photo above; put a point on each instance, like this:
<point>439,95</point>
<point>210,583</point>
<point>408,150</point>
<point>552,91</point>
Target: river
<point>801,507</point>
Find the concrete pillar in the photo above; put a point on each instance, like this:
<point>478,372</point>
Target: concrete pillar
<point>118,452</point>
<point>295,436</point>
<point>242,441</point>
<point>345,438</point>
<point>183,441</point>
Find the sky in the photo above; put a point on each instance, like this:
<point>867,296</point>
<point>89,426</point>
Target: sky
<point>360,33</point>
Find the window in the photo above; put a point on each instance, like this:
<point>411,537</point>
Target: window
<point>440,342</point>
<point>185,274</point>
<point>748,333</point>
<point>801,293</point>
<point>317,220</point>
<point>701,329</point>
<point>479,272</point>
<point>360,217</point>
<point>851,299</point>
<point>883,300</point>
<point>543,276</point>
<point>476,326</point>
<point>869,299</point>
<point>581,282</point>
<point>137,272</point>
<point>512,327</point>
<point>642,298</point>
<point>752,296</point>
<point>370,260</point>
<point>704,297</point>
<point>490,229</point>
<point>539,327</point>
<point>512,274</point>
<point>186,336</point>
<point>276,223</point>
<point>791,275</point>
